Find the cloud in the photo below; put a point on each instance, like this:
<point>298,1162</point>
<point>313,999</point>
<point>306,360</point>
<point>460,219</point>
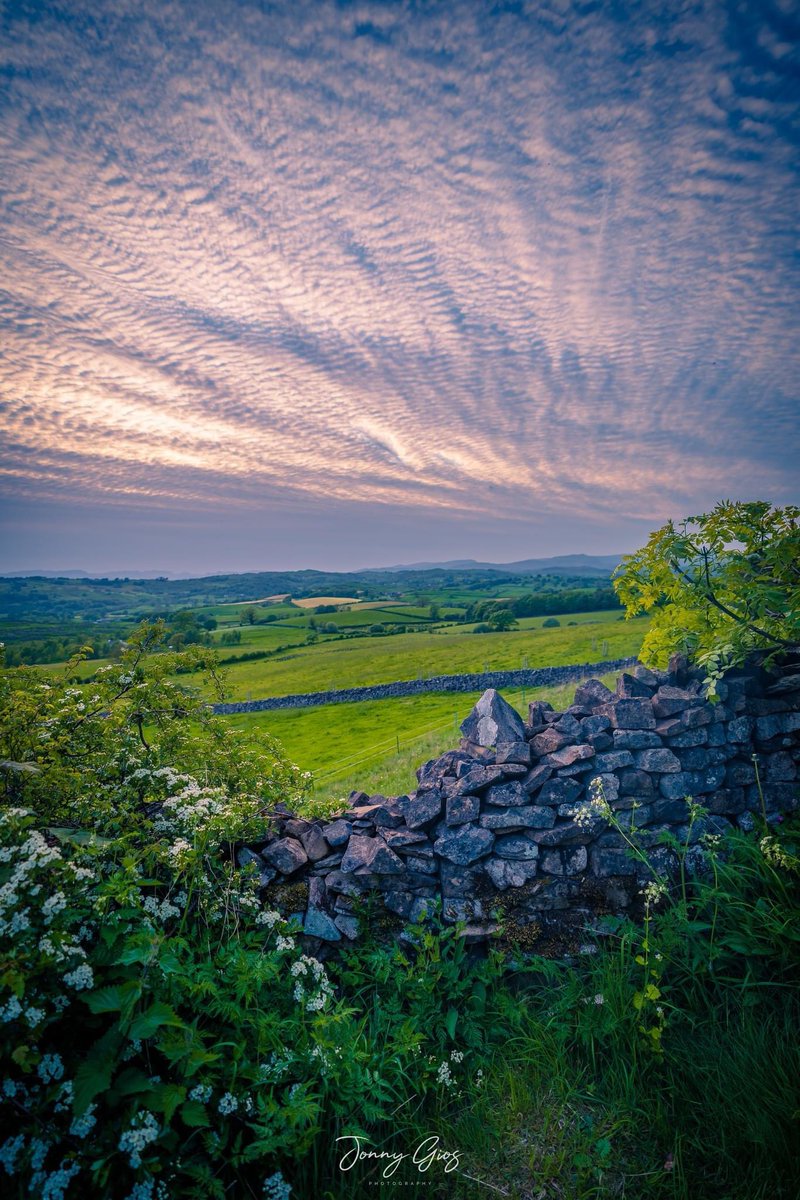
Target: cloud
<point>464,257</point>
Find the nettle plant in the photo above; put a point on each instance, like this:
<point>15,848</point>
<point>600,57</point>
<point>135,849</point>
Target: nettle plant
<point>718,586</point>
<point>162,1034</point>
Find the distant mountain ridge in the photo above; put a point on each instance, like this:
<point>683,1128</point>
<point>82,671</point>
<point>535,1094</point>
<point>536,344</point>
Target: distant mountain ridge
<point>561,564</point>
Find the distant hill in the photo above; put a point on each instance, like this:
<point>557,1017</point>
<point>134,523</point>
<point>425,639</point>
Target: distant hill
<point>563,564</point>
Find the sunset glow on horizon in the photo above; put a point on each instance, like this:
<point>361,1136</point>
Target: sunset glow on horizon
<point>345,284</point>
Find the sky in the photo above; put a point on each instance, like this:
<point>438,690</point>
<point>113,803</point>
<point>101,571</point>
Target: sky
<point>335,285</point>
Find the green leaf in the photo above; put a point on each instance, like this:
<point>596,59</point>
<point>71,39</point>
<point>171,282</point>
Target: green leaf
<point>94,1074</point>
<point>114,998</point>
<point>194,1115</point>
<point>450,1021</point>
<point>153,1018</point>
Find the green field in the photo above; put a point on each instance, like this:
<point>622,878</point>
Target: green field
<point>362,662</point>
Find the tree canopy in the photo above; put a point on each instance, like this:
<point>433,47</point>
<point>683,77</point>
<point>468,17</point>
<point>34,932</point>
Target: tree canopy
<point>719,586</point>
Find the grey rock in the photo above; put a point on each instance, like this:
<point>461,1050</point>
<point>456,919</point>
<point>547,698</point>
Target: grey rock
<point>568,725</point>
<point>458,881</point>
<point>769,727</point>
<point>430,773</point>
<point>549,741</point>
<point>670,700</point>
<point>609,785</point>
<point>465,845</point>
<point>318,924</point>
<point>564,862</point>
<point>631,688</point>
<point>590,726</point>
<point>286,855</point>
<point>569,833</point>
<point>780,767</point>
<point>693,718</point>
<point>635,783</point>
<point>645,675</point>
<point>397,839</point>
<point>559,791</point>
<point>691,737</point>
<point>569,755</point>
<point>536,777</point>
<point>517,846</point>
<point>670,812</point>
<point>514,752</point>
<point>422,808</point>
<point>460,809</point>
<point>420,864</point>
<point>454,910</point>
<point>657,761</point>
<point>636,739</point>
<point>505,872</point>
<point>524,817</point>
<point>739,774</point>
<point>592,694</point>
<point>717,733</point>
<point>337,833</point>
<point>614,760</point>
<point>607,862</point>
<point>506,794</point>
<point>315,844</point>
<point>359,853</point>
<point>348,925</point>
<point>477,778</point>
<point>492,721</point>
<point>385,861</point>
<point>630,714</point>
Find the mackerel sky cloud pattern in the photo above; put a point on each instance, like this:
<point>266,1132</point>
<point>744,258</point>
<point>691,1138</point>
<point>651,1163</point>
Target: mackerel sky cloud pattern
<point>497,273</point>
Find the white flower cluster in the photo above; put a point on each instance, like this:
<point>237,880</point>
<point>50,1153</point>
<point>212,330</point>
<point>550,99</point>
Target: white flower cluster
<point>228,1104</point>
<point>276,1187</point>
<point>81,979</point>
<point>201,1092</point>
<point>34,854</point>
<point>313,988</point>
<point>53,1186</point>
<point>268,917</point>
<point>142,1132</point>
<point>148,1189</point>
<point>597,807</point>
<point>9,1151</point>
<point>51,1068</point>
<point>276,1066</point>
<point>653,892</point>
<point>84,1124</point>
<point>162,910</point>
<point>444,1076</point>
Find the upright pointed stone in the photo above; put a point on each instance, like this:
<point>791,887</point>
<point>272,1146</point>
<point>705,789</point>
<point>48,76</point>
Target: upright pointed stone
<point>493,721</point>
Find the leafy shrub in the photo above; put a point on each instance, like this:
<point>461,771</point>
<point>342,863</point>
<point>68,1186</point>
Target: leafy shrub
<point>719,586</point>
<point>550,623</point>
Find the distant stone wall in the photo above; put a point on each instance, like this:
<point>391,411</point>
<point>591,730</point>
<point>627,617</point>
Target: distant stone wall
<point>535,677</point>
<point>502,828</point>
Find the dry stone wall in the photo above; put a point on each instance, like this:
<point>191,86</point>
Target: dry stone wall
<point>532,677</point>
<point>504,826</point>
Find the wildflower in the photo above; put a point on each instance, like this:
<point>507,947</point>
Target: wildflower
<point>144,1130</point>
<point>84,1124</point>
<point>81,978</point>
<point>55,1185</point>
<point>34,1016</point>
<point>10,1010</point>
<point>201,1092</point>
<point>51,1068</point>
<point>9,1151</point>
<point>457,1056</point>
<point>599,998</point>
<point>228,1104</point>
<point>653,892</point>
<point>276,1187</point>
<point>444,1075</point>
